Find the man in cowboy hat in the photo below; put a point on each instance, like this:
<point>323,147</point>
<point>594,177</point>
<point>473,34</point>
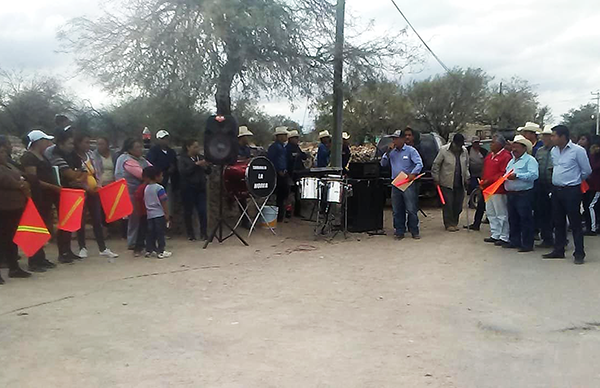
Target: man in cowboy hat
<point>542,209</point>
<point>244,135</point>
<point>450,170</point>
<point>346,152</point>
<point>571,167</point>
<point>324,151</point>
<point>278,156</point>
<point>296,159</point>
<point>530,132</point>
<point>519,187</point>
<point>404,158</point>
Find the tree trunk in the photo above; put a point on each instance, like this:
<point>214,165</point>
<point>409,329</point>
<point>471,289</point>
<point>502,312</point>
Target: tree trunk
<point>223,95</point>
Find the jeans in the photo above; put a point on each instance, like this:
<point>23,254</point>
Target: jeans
<point>194,198</point>
<point>543,212</point>
<point>520,218</point>
<point>404,203</point>
<point>140,242</point>
<point>8,227</point>
<point>565,203</point>
<point>454,205</point>
<point>282,192</point>
<point>591,203</point>
<point>480,210</point>
<point>155,239</point>
<point>94,208</point>
<point>497,211</point>
<point>133,222</point>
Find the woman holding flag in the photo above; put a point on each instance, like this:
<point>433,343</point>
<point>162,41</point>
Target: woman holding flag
<point>14,191</point>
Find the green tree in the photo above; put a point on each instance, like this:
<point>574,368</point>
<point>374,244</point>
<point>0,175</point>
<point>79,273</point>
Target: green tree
<point>260,124</point>
<point>27,103</point>
<point>371,109</point>
<point>199,47</point>
<point>447,103</point>
<point>512,103</point>
<point>581,120</point>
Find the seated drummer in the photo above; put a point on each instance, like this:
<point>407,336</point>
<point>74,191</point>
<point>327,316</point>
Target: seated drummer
<point>245,152</point>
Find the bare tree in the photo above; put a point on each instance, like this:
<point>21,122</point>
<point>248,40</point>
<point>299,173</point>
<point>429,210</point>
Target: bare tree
<point>195,48</point>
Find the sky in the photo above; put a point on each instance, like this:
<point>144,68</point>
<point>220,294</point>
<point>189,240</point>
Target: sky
<point>554,44</point>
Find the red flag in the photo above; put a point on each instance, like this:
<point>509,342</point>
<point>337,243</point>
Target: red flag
<point>584,187</point>
<point>32,233</point>
<point>491,189</point>
<point>439,189</point>
<point>70,209</point>
<point>115,201</point>
<point>401,182</point>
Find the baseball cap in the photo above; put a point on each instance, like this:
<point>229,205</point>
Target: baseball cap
<point>36,135</point>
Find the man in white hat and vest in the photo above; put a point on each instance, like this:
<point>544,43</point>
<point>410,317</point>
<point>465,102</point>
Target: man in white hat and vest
<point>324,151</point>
<point>278,156</point>
<point>530,132</point>
<point>244,150</point>
<point>519,189</point>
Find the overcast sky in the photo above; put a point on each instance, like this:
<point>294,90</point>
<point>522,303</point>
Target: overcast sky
<point>555,44</point>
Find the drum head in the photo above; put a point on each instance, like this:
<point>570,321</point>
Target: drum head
<point>261,177</point>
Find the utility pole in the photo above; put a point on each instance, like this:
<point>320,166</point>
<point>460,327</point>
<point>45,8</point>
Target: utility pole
<point>338,91</point>
<point>597,97</point>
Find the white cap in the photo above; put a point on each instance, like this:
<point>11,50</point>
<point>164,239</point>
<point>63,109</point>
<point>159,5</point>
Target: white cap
<point>162,134</point>
<point>36,135</point>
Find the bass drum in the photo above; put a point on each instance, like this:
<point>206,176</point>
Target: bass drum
<point>234,179</point>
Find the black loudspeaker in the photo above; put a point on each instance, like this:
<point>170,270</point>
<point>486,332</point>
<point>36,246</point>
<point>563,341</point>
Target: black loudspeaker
<point>220,140</point>
<point>365,206</point>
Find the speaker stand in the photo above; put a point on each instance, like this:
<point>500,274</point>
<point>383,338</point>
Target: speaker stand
<point>217,232</point>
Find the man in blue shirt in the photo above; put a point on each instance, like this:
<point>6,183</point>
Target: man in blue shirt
<point>278,156</point>
<point>324,151</point>
<point>404,158</point>
<point>519,188</point>
<point>571,167</point>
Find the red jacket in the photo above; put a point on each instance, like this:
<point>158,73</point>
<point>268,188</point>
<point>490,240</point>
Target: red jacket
<point>594,179</point>
<point>494,167</point>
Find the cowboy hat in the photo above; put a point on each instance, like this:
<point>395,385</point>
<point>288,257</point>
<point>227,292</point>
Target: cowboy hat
<point>323,134</point>
<point>244,131</point>
<point>345,136</point>
<point>520,139</point>
<point>162,134</point>
<point>547,130</point>
<point>281,131</point>
<point>531,127</point>
<point>293,133</point>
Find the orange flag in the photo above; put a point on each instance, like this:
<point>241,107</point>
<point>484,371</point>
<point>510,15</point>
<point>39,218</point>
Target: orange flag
<point>115,201</point>
<point>70,209</point>
<point>491,189</point>
<point>32,233</point>
<point>399,182</point>
<point>584,187</point>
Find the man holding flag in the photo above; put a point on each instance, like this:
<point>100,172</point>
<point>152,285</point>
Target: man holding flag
<point>522,172</point>
<point>404,159</point>
<point>496,206</point>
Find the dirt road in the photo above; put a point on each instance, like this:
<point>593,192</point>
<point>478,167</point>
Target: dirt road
<point>445,311</point>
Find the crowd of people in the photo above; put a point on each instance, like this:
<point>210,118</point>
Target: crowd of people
<point>550,185</point>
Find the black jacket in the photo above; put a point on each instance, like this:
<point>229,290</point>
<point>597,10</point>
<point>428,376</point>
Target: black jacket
<point>192,176</point>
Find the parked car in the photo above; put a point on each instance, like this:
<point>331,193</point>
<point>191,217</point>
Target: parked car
<point>428,145</point>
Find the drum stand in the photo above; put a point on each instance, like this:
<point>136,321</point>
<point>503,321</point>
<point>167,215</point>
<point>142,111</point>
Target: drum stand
<point>245,214</point>
<point>218,229</point>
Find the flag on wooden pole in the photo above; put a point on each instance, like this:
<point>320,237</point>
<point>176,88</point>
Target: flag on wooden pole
<point>32,233</point>
<point>70,209</point>
<point>115,201</point>
<point>493,188</point>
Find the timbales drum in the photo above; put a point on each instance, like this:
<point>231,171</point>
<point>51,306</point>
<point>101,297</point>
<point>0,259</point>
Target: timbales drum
<point>310,188</point>
<point>335,192</point>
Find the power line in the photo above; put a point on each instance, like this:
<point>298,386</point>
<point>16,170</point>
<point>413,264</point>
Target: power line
<point>419,36</point>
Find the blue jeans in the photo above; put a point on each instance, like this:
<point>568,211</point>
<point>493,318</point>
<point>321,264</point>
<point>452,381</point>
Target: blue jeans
<point>193,198</point>
<point>403,203</point>
<point>155,238</point>
<point>565,203</point>
<point>520,218</point>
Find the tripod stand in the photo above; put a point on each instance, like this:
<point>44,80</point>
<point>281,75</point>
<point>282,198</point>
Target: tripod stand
<point>217,232</point>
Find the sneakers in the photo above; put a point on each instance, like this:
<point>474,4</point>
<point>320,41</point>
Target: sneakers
<point>83,253</point>
<point>554,255</point>
<point>65,259</point>
<point>47,264</point>
<point>148,255</point>
<point>35,267</point>
<point>18,273</point>
<point>108,253</point>
<point>164,255</point>
<point>490,240</point>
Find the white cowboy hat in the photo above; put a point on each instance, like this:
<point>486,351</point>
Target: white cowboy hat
<point>244,131</point>
<point>323,134</point>
<point>520,139</point>
<point>547,130</point>
<point>345,136</point>
<point>162,134</point>
<point>281,131</point>
<point>293,133</point>
<point>531,127</point>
